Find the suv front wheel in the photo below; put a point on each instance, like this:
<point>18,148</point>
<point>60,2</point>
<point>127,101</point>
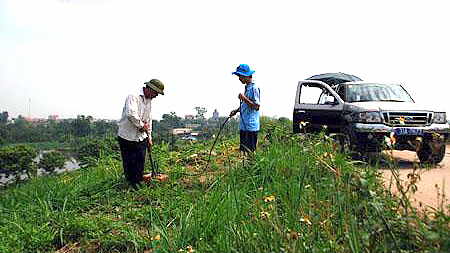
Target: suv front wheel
<point>349,143</point>
<point>431,152</point>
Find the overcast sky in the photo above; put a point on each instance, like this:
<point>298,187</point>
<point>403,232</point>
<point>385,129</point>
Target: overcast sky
<point>84,57</point>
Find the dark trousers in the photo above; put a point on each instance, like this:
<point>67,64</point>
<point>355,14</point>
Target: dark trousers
<point>248,140</point>
<point>133,158</point>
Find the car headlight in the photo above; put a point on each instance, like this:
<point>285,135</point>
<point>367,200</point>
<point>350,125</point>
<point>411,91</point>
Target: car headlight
<point>369,117</point>
<point>439,118</point>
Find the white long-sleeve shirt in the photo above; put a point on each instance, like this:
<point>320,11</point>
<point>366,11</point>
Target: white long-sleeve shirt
<point>136,111</point>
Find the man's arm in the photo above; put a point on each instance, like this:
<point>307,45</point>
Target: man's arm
<point>132,106</point>
<point>250,103</point>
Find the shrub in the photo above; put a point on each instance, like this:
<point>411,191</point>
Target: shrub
<point>90,151</point>
<point>51,161</point>
<point>15,160</point>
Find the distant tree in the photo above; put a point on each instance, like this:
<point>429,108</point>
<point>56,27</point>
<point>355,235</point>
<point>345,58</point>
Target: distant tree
<point>284,120</point>
<point>171,120</point>
<point>20,130</point>
<point>161,130</point>
<point>82,126</point>
<point>103,127</point>
<point>4,117</point>
<point>3,133</point>
<point>20,120</point>
<point>200,113</point>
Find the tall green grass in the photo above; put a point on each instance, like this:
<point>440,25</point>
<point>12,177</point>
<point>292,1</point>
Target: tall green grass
<point>295,194</point>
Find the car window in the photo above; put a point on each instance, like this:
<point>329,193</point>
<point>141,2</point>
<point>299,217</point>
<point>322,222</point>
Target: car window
<point>326,98</point>
<point>315,95</point>
<point>341,92</point>
<point>376,92</point>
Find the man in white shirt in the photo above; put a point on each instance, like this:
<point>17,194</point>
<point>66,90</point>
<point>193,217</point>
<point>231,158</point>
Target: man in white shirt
<point>135,129</point>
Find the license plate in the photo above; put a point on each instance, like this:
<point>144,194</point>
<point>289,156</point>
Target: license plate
<point>408,131</point>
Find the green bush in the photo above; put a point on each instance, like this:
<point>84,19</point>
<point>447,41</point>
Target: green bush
<point>16,160</point>
<point>51,161</point>
<point>90,151</point>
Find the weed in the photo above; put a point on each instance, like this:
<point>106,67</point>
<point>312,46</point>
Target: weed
<point>296,194</point>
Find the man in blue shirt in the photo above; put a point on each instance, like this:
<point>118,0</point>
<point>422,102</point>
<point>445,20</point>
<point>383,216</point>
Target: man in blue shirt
<point>249,109</point>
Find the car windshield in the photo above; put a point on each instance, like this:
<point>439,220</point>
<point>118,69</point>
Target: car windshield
<point>377,92</point>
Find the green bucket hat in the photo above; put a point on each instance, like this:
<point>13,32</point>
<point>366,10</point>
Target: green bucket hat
<point>155,85</point>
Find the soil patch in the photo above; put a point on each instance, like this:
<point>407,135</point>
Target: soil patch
<point>433,184</point>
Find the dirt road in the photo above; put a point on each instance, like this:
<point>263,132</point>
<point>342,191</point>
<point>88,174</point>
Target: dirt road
<point>434,184</point>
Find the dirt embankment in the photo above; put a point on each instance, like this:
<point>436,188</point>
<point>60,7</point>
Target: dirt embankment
<point>433,187</point>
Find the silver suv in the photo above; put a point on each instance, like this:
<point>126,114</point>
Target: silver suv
<point>370,117</point>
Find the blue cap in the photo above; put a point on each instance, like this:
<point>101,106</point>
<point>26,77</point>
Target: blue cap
<point>243,70</point>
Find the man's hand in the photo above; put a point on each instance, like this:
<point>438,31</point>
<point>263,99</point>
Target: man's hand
<point>233,112</point>
<point>146,127</point>
<point>246,100</point>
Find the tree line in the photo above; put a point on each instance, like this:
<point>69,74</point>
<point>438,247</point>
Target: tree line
<point>68,130</point>
<point>22,131</point>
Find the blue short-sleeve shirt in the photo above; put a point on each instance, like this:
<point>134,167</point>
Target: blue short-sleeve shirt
<point>249,116</point>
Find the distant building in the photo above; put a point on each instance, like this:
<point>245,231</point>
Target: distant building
<point>35,120</point>
<point>189,138</point>
<point>185,133</point>
<point>39,121</point>
<point>215,114</point>
<point>53,117</point>
<point>181,131</point>
<point>192,125</point>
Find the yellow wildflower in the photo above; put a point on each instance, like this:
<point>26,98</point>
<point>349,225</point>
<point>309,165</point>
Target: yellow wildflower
<point>392,137</point>
<point>157,237</point>
<point>302,124</point>
<point>265,215</point>
<point>190,249</point>
<point>306,220</point>
<point>390,141</point>
<point>269,199</point>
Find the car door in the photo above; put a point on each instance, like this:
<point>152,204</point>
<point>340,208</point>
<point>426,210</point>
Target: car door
<point>316,105</point>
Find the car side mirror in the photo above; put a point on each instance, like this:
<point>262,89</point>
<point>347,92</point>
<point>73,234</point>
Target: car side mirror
<point>330,100</point>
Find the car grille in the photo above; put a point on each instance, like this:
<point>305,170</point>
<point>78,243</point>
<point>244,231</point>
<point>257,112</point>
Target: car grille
<point>407,118</point>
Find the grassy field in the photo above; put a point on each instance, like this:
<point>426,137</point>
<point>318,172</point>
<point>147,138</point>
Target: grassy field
<point>296,194</point>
